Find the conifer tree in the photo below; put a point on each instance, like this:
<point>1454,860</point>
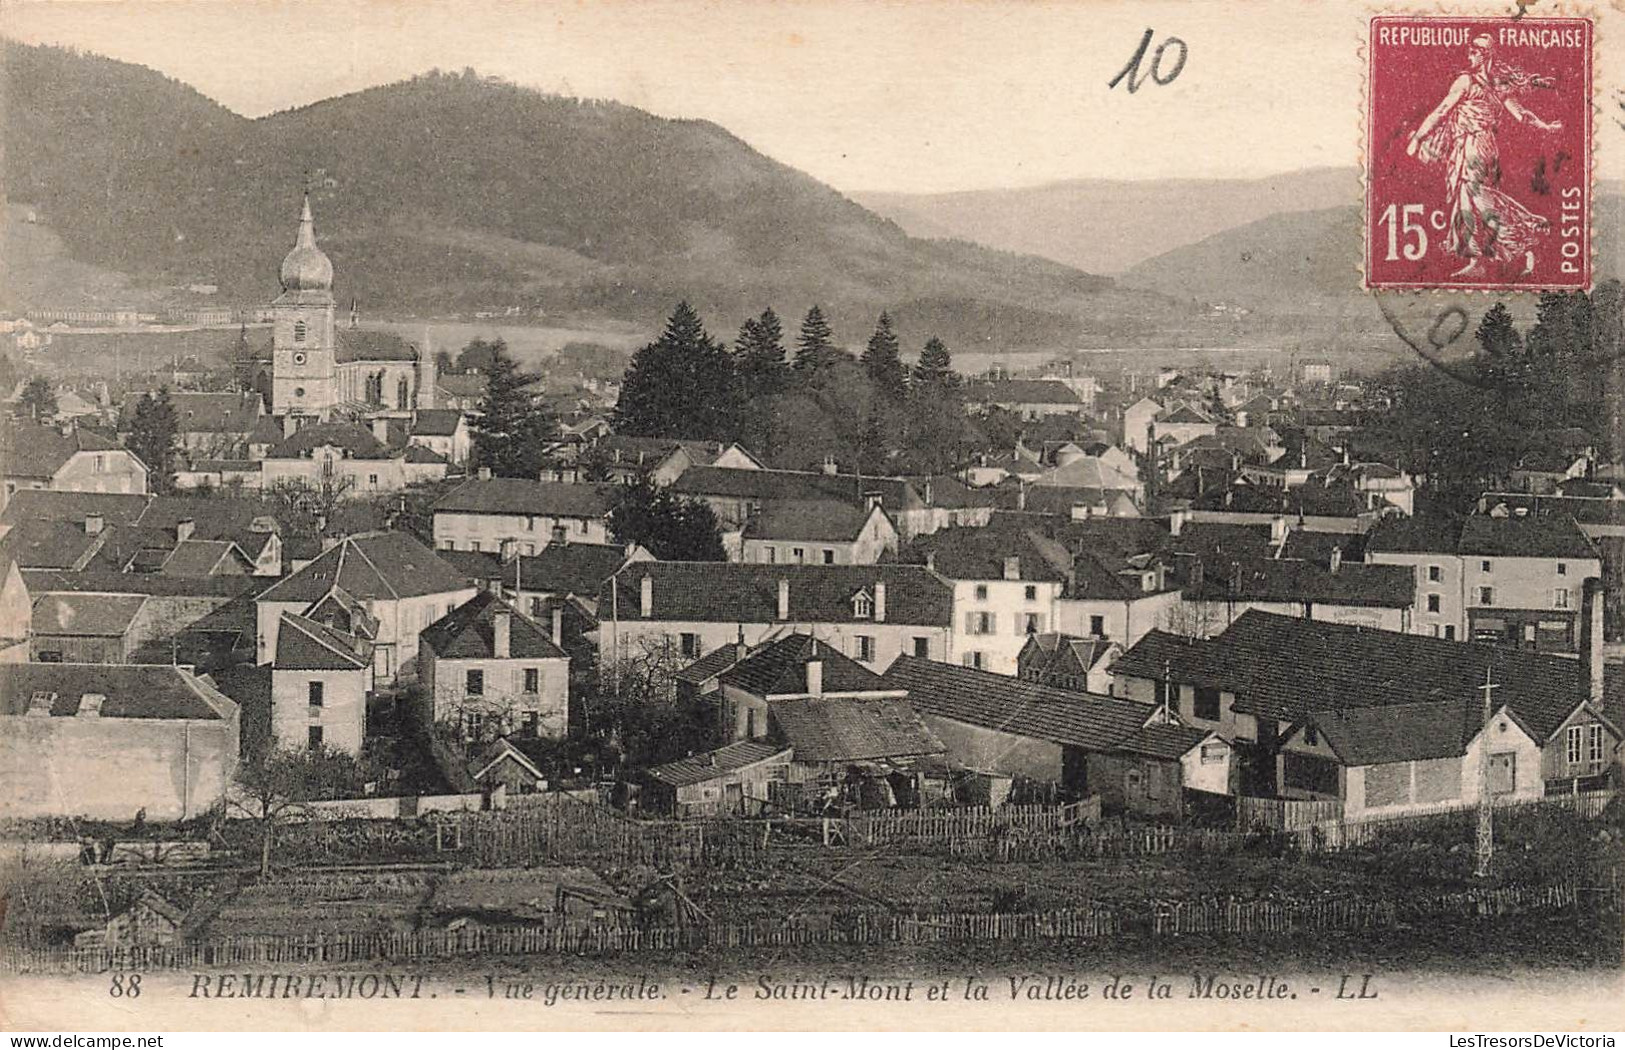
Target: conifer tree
<point>512,431</point>
<point>759,357</point>
<point>883,363</point>
<point>935,367</point>
<point>152,438</point>
<point>816,353</point>
<point>680,386</point>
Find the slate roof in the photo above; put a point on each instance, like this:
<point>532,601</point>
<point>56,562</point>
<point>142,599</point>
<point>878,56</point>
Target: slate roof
<point>132,690</point>
<point>436,422</point>
<point>1065,653</point>
<point>479,566</point>
<point>835,730</point>
<point>1021,392</point>
<point>711,664</point>
<point>1533,536</point>
<point>697,769</point>
<point>30,450</point>
<point>116,508</point>
<point>202,412</point>
<point>199,557</point>
<point>548,499</point>
<point>375,566</point>
<point>780,669</point>
<point>740,592</point>
<point>305,645</point>
<point>1420,534</point>
<point>355,439</point>
<point>979,554</point>
<point>362,344</point>
<point>1283,667</point>
<point>45,581</point>
<point>764,485</point>
<point>466,633</point>
<point>569,568</point>
<point>1400,732</point>
<point>1270,580</point>
<point>1316,547</point>
<point>1165,740</point>
<point>1022,708</point>
<point>813,520</point>
<point>86,615</point>
<point>41,544</point>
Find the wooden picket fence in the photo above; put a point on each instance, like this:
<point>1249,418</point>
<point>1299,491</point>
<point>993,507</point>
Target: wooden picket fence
<point>1329,835</point>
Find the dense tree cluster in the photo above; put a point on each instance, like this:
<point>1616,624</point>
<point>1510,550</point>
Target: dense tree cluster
<point>666,525</point>
<point>868,414</point>
<point>512,431</point>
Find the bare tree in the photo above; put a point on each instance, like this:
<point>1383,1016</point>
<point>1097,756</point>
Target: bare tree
<point>277,787</point>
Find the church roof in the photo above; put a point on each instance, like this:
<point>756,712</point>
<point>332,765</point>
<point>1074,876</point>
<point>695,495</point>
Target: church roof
<point>362,344</point>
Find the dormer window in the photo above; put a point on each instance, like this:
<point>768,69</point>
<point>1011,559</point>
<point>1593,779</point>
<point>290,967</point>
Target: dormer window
<point>863,606</point>
<point>299,331</point>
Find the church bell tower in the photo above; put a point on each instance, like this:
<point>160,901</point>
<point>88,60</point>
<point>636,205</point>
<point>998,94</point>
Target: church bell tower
<point>304,381</point>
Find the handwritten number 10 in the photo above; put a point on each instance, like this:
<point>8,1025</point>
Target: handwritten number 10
<point>1136,76</point>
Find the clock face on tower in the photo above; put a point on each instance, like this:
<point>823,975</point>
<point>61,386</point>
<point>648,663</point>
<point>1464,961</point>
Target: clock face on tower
<point>299,359</point>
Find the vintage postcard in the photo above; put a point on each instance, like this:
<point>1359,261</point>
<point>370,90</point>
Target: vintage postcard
<point>822,514</point>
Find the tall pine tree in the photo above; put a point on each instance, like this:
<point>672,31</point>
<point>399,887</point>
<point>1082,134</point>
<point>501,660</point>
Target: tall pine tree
<point>512,431</point>
<point>935,367</point>
<point>1502,361</point>
<point>152,439</point>
<point>883,362</point>
<point>816,354</point>
<point>680,386</point>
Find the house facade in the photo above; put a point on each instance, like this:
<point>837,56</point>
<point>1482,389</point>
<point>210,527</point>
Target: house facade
<point>817,532</point>
<point>320,680</point>
<point>492,671</point>
<point>510,516</point>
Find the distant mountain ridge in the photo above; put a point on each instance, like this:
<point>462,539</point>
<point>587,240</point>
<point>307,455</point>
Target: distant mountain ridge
<point>447,193</point>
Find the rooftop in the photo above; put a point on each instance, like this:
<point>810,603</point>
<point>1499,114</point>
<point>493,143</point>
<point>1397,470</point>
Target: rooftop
<point>548,499</point>
<point>372,566</point>
<point>468,633</point>
<point>780,669</point>
<point>305,645</point>
<point>837,730</point>
<point>131,690</point>
<point>813,520</point>
<point>696,769</point>
<point>739,592</point>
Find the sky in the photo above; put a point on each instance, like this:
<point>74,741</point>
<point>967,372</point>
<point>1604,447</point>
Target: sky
<point>867,95</point>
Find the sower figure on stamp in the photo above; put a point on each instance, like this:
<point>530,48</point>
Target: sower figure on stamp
<point>1485,221</point>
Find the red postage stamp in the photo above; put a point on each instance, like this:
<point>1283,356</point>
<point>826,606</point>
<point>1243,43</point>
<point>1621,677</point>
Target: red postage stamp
<point>1478,153</point>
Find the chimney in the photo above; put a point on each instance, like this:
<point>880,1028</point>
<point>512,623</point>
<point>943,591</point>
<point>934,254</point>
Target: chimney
<point>93,524</point>
<point>815,677</point>
<point>741,650</point>
<point>1337,558</point>
<point>183,530</point>
<point>380,429</point>
<point>1021,495</point>
<point>39,705</point>
<point>502,633</point>
<point>1591,639</point>
<point>928,501</point>
<point>90,705</point>
<point>1277,530</point>
<point>1176,523</point>
<point>1012,568</point>
<point>784,599</point>
<point>829,465</point>
<point>484,474</point>
<point>880,601</point>
<point>646,597</point>
<point>931,560</point>
<point>558,625</point>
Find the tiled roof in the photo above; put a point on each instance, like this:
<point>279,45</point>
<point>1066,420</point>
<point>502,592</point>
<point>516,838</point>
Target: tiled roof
<point>763,485</point>
<point>41,544</point>
<point>436,422</point>
<point>469,385</point>
<point>1064,653</point>
<point>466,633</point>
<point>377,566</point>
<point>547,499</point>
<point>476,565</point>
<point>1336,500</point>
<point>1584,510</point>
<point>1164,740</point>
<point>1022,708</point>
<point>116,508</point>
<point>711,664</point>
<point>86,615</point>
<point>44,581</point>
<point>1534,536</point>
<point>305,645</point>
<point>780,669</point>
<point>30,450</point>
<point>1420,534</point>
<point>696,769</point>
<point>1186,414</point>
<point>1021,392</point>
<point>201,412</point>
<point>739,592</point>
<point>821,520</point>
<point>1366,736</point>
<point>981,554</point>
<point>353,438</point>
<point>131,690</point>
<point>198,557</point>
<point>361,344</point>
<point>947,491</point>
<point>1282,667</point>
<point>1269,580</point>
<point>834,730</point>
<point>1316,547</point>
<point>422,454</point>
<point>570,568</point>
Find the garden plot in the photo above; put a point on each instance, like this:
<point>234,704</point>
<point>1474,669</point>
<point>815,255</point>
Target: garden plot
<point>521,896</point>
<point>327,903</point>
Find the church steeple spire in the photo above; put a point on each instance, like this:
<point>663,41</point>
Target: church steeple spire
<point>307,268</point>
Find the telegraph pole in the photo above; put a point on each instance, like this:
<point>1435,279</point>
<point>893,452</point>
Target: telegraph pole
<point>1486,804</point>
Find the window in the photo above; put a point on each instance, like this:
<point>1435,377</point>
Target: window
<point>979,623</point>
<point>1032,593</point>
<point>771,554</point>
<point>1574,745</point>
<point>1486,596</point>
<point>313,738</point>
<point>922,647</point>
<point>299,331</point>
<point>1433,603</point>
<point>866,648</point>
<point>750,723</point>
<point>1594,743</point>
<point>536,607</point>
<point>1207,704</point>
<point>1311,736</point>
<point>473,545</point>
<point>1032,623</point>
<point>1097,626</point>
<point>972,660</point>
<point>1562,569</point>
<point>474,685</point>
<point>690,643</point>
<point>798,555</point>
<point>533,680</point>
<point>1484,566</point>
<point>1213,754</point>
<point>1434,630</point>
<point>863,606</point>
<point>372,481</point>
<point>829,556</point>
<point>316,692</point>
<point>981,592</point>
<point>1435,574</point>
<point>1560,598</point>
<point>448,545</point>
<point>1449,632</point>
